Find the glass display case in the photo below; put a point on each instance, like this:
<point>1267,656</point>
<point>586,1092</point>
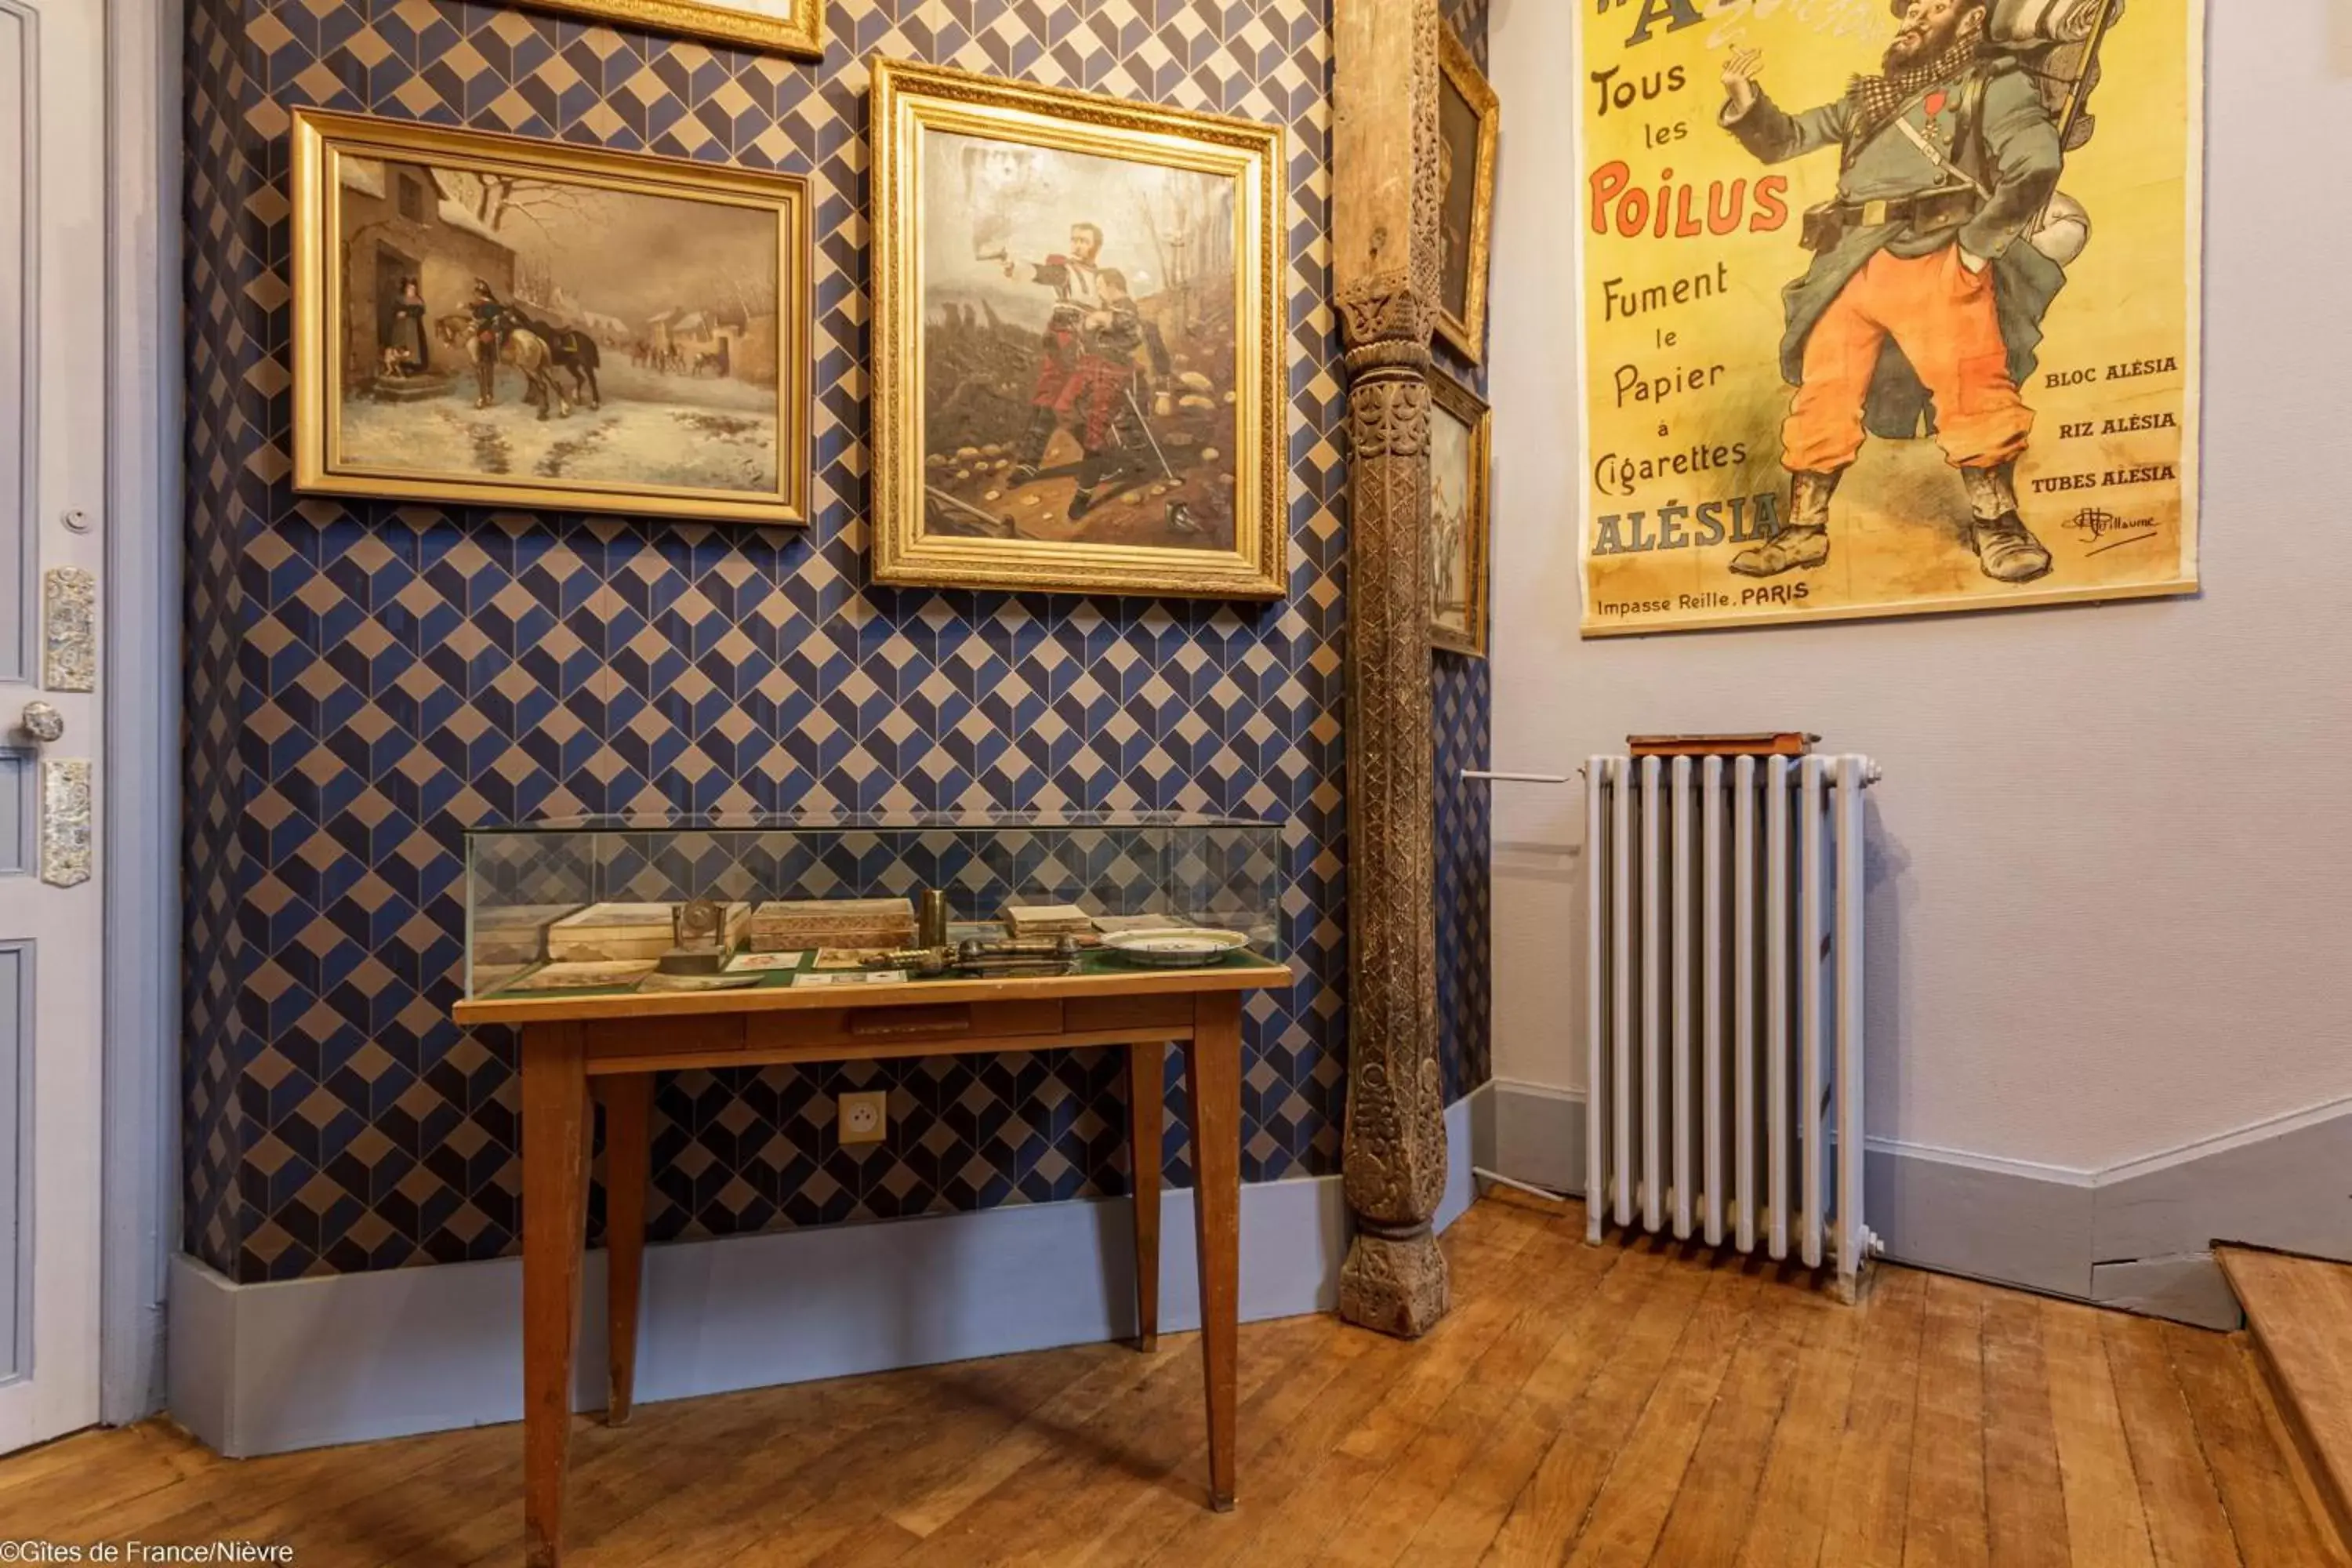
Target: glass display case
<point>618,905</point>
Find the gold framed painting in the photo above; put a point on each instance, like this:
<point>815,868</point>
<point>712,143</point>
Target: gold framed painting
<point>482,319</point>
<point>1078,353</point>
<point>780,27</point>
<point>1469,118</point>
<point>1459,516</point>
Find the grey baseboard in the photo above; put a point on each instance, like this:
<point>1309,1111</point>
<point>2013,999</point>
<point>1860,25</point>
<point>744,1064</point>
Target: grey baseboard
<point>263,1369</point>
<point>2138,1237</point>
<point>1538,1136</point>
<point>2285,1185</point>
<point>2188,1289</point>
<point>1461,1118</point>
<point>2011,1224</point>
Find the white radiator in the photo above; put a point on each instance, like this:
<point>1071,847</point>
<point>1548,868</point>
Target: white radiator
<point>1724,1011</point>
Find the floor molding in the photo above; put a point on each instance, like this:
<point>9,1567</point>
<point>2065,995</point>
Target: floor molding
<point>2138,1237</point>
<point>1461,1121</point>
<point>302,1363</point>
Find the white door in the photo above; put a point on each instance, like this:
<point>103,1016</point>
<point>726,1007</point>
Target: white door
<point>53,335</point>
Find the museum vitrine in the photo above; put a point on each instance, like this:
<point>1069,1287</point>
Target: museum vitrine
<point>623,904</point>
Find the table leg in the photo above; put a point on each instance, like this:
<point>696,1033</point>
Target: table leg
<point>628,1158</point>
<point>1145,1102</point>
<point>1213,1074</point>
<point>554,1220</point>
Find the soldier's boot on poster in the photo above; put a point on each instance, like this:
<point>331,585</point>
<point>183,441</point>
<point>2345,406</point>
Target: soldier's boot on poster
<point>2006,549</point>
<point>1803,542</point>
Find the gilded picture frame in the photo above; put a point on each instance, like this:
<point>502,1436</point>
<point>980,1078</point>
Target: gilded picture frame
<point>1079,360</point>
<point>489,320</point>
<point>1460,516</point>
<point>794,28</point>
<point>1469,122</point>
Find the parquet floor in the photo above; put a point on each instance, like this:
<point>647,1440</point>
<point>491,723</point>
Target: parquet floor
<point>1624,1404</point>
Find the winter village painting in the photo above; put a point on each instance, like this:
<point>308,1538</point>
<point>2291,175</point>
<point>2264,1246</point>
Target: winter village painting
<point>1080,375</point>
<point>510,323</point>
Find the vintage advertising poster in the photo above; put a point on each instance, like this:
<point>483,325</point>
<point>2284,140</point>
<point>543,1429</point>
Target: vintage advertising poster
<point>1890,306</point>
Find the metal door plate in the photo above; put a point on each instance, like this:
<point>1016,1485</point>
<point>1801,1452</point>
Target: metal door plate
<point>65,822</point>
<point>69,630</point>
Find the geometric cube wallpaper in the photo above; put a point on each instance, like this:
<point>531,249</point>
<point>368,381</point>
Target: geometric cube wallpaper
<point>366,679</point>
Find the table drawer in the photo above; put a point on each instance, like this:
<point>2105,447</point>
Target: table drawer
<point>1105,1014</point>
<point>906,1024</point>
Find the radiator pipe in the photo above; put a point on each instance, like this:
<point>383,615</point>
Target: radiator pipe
<point>1503,1180</point>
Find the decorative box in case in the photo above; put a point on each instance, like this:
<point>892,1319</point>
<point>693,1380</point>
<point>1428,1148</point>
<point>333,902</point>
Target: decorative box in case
<point>590,902</point>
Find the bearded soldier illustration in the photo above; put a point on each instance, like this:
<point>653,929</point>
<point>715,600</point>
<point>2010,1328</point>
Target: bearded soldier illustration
<point>1932,266</point>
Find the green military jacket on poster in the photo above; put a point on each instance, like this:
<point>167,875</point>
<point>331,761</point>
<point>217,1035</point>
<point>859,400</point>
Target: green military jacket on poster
<point>2021,164</point>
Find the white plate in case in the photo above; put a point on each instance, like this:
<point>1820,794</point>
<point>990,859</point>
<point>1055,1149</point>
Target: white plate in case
<point>1175,949</point>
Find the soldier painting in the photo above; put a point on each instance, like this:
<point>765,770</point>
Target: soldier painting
<point>1902,194</point>
<point>1078,369</point>
<point>1078,354</point>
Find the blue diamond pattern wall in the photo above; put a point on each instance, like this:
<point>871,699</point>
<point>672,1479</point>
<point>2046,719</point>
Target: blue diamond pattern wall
<point>364,681</point>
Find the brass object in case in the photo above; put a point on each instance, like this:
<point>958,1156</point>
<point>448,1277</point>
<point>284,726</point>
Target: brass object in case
<point>697,933</point>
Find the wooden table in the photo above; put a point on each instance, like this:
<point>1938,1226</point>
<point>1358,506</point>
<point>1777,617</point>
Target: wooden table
<point>610,1044</point>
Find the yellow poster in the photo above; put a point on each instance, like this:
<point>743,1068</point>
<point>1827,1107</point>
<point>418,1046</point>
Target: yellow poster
<point>1890,306</point>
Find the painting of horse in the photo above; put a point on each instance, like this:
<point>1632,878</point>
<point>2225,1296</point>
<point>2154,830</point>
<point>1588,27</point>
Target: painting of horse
<point>467,284</point>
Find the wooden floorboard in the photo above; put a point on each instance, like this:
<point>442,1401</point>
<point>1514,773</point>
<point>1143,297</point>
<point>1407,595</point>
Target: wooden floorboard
<point>2299,1315</point>
<point>1870,1494</point>
<point>2025,1499</point>
<point>2104,1520</point>
<point>2275,1523</point>
<point>2186,1522</point>
<point>1640,1402</point>
<point>1790,1512</point>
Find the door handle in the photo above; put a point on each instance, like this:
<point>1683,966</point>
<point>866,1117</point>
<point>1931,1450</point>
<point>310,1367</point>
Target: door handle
<point>42,722</point>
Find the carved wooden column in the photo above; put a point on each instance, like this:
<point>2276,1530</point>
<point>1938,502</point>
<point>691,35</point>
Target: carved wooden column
<point>1385,269</point>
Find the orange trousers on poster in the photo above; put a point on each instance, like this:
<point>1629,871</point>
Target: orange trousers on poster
<point>1941,316</point>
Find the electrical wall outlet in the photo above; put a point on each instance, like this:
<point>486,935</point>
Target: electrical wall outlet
<point>864,1117</point>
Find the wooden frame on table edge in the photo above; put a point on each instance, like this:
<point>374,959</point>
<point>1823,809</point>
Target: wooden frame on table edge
<point>909,100</point>
<point>321,136</point>
<point>547,1007</point>
<point>1466,333</point>
<point>1461,402</point>
<point>800,34</point>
